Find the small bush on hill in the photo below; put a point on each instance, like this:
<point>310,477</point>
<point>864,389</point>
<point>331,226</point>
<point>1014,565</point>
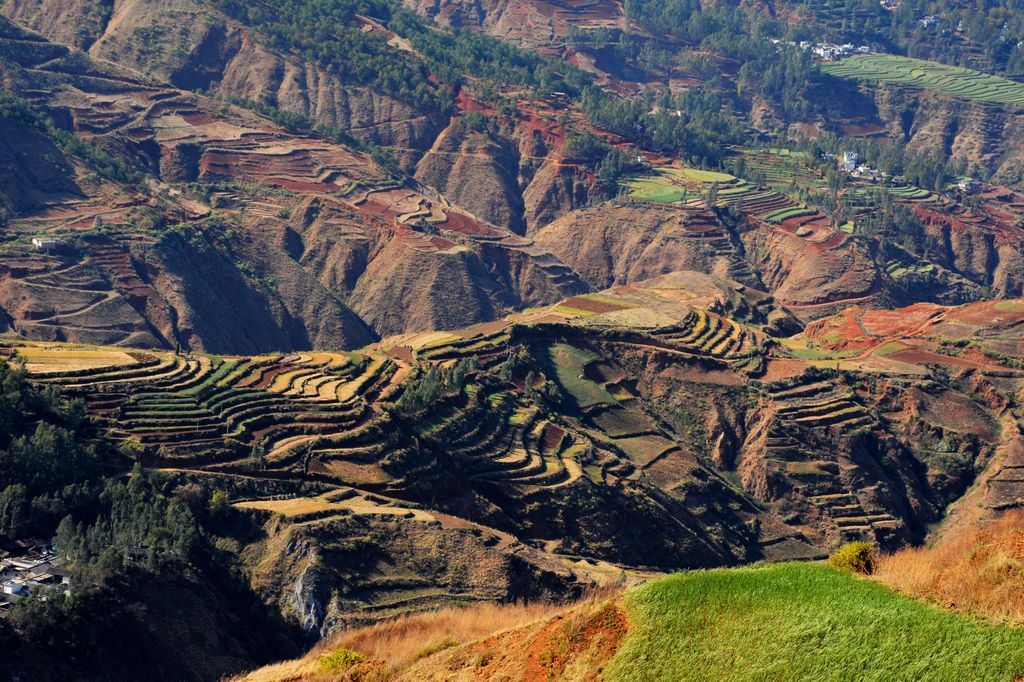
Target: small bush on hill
<point>855,557</point>
<point>340,660</point>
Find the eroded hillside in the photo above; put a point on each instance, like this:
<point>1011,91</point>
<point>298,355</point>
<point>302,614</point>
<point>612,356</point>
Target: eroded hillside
<point>306,243</point>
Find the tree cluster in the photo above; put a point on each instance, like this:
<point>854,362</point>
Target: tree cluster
<point>45,463</point>
<point>135,524</point>
<point>435,383</point>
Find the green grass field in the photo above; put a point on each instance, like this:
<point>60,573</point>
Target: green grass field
<point>802,622</point>
<point>948,80</point>
<point>657,188</point>
<point>1010,306</point>
<point>569,363</point>
<point>889,348</point>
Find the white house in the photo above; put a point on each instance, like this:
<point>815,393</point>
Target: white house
<point>11,587</point>
<point>47,243</point>
<point>849,161</point>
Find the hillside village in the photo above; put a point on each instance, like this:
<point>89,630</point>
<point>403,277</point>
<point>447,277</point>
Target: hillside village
<point>30,568</point>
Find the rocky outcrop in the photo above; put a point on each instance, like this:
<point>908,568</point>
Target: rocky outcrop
<point>815,281</point>
<point>273,305</point>
<point>981,252</point>
<point>554,190</point>
<point>505,174</point>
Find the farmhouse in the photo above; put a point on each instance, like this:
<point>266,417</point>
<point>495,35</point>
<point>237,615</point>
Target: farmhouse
<point>826,51</point>
<point>849,161</point>
<point>47,243</point>
<point>968,186</point>
<point>867,172</point>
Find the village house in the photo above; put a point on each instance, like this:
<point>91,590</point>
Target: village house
<point>849,162</point>
<point>47,243</point>
<point>866,172</point>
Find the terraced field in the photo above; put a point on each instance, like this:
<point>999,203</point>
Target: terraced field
<point>780,167</point>
<point>689,187</point>
<point>533,418</point>
<point>325,416</point>
<point>948,80</point>
<point>338,417</point>
<point>808,412</point>
<point>710,335</point>
<point>102,288</point>
<point>670,184</point>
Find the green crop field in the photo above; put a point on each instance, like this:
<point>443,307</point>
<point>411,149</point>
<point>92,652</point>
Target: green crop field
<point>802,622</point>
<point>666,185</point>
<point>948,80</point>
<point>780,167</point>
<point>657,187</point>
<point>789,212</point>
<point>1010,306</point>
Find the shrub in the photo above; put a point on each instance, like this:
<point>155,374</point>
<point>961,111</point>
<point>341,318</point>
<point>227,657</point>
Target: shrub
<point>855,557</point>
<point>340,660</point>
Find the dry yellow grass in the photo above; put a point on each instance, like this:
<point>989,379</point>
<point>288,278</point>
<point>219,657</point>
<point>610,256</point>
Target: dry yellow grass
<point>295,506</point>
<point>352,388</point>
<point>70,358</point>
<point>300,506</point>
<point>978,571</point>
<point>397,644</point>
<point>283,382</point>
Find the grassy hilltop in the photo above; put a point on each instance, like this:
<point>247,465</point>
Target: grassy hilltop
<point>801,622</point>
